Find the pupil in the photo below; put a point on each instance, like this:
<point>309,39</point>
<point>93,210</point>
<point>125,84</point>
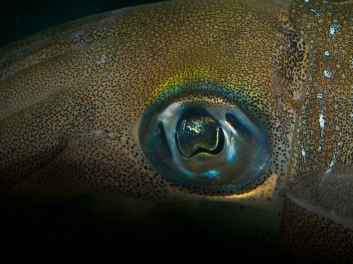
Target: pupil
<point>199,134</point>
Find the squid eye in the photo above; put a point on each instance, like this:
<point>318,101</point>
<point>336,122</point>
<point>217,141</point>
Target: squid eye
<point>207,149</point>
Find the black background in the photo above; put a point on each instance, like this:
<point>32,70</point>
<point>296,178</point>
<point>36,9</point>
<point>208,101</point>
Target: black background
<point>20,18</point>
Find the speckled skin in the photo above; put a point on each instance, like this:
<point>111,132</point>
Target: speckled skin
<point>72,97</point>
<point>104,81</point>
<point>325,127</point>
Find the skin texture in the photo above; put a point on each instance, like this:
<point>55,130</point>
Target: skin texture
<point>72,97</point>
<point>334,135</point>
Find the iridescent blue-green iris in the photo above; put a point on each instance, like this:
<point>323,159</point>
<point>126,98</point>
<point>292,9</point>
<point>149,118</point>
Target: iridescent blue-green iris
<point>201,145</point>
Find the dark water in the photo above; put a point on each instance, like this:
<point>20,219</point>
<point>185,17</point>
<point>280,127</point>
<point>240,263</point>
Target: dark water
<point>119,227</point>
<point>109,226</point>
<point>20,18</point>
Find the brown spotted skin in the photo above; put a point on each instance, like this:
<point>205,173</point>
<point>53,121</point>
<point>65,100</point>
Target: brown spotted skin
<point>314,238</point>
<point>74,94</point>
<point>325,130</point>
<point>70,98</point>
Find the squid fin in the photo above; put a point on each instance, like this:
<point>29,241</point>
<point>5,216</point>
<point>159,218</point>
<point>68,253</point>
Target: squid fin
<point>328,193</point>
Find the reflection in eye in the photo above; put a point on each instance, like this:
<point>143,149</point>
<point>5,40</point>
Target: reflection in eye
<point>207,149</point>
<point>199,134</point>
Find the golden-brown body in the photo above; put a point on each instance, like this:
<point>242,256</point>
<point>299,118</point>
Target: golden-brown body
<point>71,98</point>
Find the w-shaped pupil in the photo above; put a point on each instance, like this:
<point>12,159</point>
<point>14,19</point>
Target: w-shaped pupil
<point>199,134</point>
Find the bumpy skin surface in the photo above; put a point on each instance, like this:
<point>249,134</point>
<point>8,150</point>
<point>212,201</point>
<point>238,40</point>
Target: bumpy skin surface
<point>71,98</point>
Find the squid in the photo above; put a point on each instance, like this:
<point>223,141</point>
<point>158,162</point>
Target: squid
<point>236,113</point>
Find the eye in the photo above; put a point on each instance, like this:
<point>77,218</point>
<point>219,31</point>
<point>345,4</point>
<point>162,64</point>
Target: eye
<point>205,148</point>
